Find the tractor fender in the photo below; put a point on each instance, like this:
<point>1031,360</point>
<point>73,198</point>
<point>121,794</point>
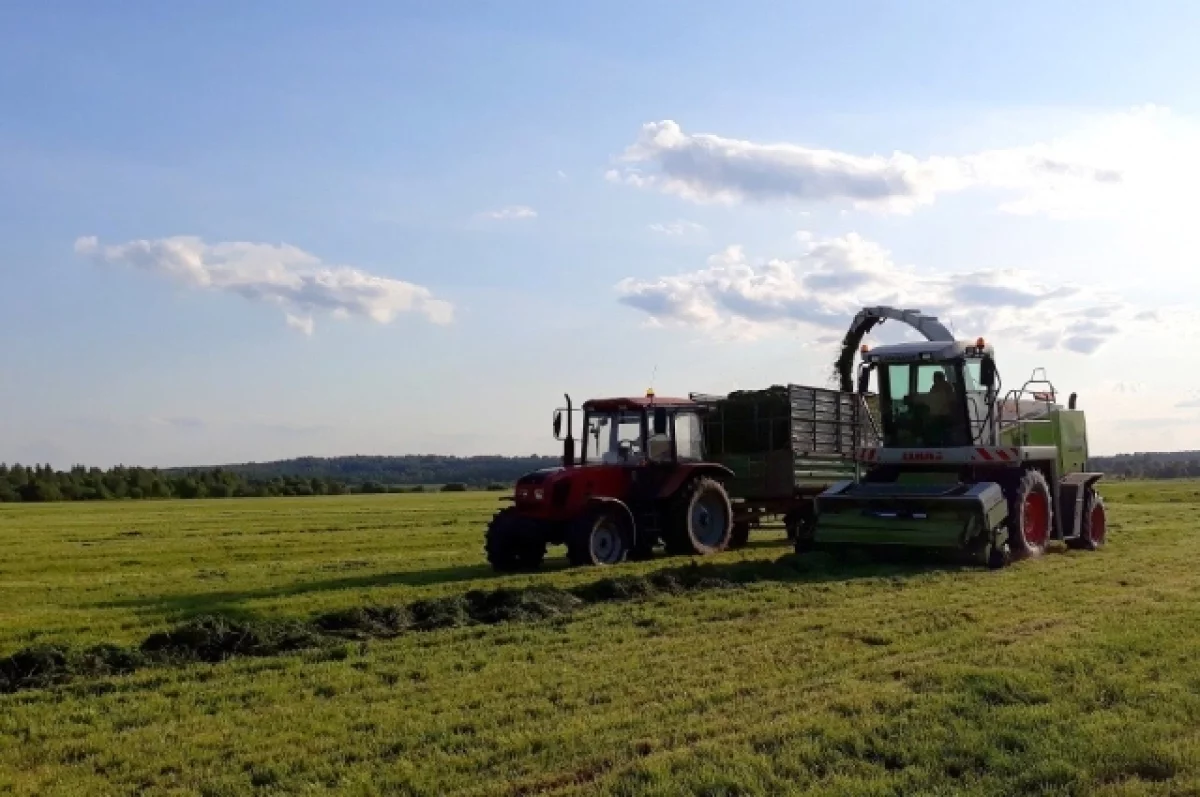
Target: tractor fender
<point>621,508</point>
<point>685,473</point>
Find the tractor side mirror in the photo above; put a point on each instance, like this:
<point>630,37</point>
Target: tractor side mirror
<point>987,372</point>
<point>558,424</point>
<point>660,421</point>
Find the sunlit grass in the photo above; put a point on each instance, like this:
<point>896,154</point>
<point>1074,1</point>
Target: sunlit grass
<point>1072,674</point>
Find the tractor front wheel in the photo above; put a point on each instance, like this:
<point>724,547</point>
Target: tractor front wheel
<point>599,537</point>
<point>701,519</point>
<point>514,543</point>
<point>1031,516</point>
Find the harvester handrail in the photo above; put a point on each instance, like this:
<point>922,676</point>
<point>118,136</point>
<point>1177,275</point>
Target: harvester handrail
<point>1047,398</point>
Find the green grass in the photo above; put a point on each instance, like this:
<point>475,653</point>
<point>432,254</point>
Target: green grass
<point>1073,674</point>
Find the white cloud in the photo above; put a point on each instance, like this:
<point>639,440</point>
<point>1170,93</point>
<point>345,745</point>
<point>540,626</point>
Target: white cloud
<point>677,228</point>
<point>303,323</point>
<point>511,213</point>
<point>283,275</point>
<point>703,167</point>
<point>825,287</point>
<point>1191,402</point>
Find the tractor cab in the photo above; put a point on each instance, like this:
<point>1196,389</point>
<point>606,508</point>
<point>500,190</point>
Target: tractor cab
<point>933,394</point>
<point>635,432</point>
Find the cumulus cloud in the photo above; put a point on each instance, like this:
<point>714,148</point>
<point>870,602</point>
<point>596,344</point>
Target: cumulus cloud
<point>511,213</point>
<point>677,228</point>
<point>824,288</point>
<point>704,167</point>
<point>296,281</point>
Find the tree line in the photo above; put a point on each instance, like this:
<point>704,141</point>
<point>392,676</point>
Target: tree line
<point>345,475</point>
<point>1172,465</point>
<point>42,483</point>
<point>393,470</point>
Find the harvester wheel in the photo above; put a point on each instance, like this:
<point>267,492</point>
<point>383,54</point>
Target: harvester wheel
<point>1093,525</point>
<point>1031,516</point>
<point>700,520</point>
<point>600,536</point>
<point>513,543</point>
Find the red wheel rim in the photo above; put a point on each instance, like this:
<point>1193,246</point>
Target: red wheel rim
<point>1036,519</point>
<point>1097,523</point>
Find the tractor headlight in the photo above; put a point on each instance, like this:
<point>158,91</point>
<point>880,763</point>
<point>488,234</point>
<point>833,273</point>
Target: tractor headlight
<point>539,494</point>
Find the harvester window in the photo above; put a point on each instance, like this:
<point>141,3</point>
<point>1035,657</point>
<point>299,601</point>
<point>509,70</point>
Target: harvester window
<point>924,406</point>
<point>973,375</point>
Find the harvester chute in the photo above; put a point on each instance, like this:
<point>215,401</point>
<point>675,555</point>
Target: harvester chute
<point>870,317</point>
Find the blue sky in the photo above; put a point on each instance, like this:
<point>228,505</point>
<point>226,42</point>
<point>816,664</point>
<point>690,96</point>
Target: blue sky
<point>530,198</point>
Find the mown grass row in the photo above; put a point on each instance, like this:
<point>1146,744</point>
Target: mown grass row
<point>215,637</point>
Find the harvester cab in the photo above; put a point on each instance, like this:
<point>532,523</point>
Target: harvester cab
<point>957,466</point>
<point>639,479</point>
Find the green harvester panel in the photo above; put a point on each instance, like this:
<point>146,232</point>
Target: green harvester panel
<point>784,439</point>
<point>1066,430</point>
<point>919,515</point>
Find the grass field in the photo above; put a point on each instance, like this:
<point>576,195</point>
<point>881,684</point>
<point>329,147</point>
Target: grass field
<point>1073,674</point>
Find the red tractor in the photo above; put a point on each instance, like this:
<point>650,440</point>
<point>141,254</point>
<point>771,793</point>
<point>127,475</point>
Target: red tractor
<point>641,479</point>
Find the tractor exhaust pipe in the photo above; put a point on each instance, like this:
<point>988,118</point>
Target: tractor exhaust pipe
<point>569,440</point>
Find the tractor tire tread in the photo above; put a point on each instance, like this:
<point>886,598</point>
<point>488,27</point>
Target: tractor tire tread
<point>509,547</point>
<point>677,540</point>
<point>579,537</point>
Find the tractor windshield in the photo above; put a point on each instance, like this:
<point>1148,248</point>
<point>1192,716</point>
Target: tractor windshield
<point>923,405</point>
<point>612,438</point>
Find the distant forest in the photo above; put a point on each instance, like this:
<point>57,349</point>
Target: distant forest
<point>377,474</point>
<point>394,471</point>
<point>304,476</point>
<point>1167,465</point>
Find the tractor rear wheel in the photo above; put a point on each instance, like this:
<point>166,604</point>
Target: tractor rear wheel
<point>1030,516</point>
<point>1093,526</point>
<point>600,536</point>
<point>700,519</point>
<point>514,543</point>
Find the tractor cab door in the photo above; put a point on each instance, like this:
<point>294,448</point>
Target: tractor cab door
<point>659,461</point>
